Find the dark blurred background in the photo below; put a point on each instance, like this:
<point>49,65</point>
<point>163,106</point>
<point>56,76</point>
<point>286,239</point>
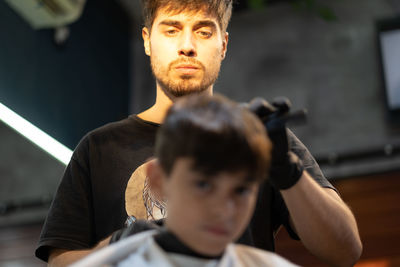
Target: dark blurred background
<point>324,56</point>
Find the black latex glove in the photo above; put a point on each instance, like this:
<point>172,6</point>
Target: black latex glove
<point>135,227</point>
<point>286,168</point>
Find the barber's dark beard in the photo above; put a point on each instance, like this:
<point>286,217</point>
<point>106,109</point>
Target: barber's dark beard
<point>185,86</point>
<point>181,89</point>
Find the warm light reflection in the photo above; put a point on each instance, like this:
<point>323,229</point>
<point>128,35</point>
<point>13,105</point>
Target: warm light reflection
<point>374,263</point>
<point>35,135</point>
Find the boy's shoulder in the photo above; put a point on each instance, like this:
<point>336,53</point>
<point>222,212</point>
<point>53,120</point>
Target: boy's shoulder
<point>118,251</point>
<point>249,256</point>
<point>141,249</point>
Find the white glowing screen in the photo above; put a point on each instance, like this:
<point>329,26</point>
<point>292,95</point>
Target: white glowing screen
<point>390,41</point>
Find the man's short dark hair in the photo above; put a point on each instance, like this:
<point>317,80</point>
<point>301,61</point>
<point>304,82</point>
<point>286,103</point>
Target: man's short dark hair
<point>220,9</point>
<point>217,134</point>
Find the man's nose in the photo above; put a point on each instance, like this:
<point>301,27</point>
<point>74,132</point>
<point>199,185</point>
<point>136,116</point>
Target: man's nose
<point>187,45</point>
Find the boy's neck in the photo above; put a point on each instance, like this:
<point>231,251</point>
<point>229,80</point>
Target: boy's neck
<point>170,243</point>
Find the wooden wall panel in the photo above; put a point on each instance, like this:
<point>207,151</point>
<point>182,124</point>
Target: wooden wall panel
<point>375,201</point>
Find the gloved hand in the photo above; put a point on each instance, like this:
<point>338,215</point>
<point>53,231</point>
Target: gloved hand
<point>135,227</point>
<point>286,168</point>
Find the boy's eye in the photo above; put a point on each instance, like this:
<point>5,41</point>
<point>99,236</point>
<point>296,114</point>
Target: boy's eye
<point>203,185</point>
<point>243,190</point>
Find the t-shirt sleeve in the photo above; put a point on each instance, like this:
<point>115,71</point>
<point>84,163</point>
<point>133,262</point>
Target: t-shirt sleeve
<point>312,167</point>
<point>69,222</point>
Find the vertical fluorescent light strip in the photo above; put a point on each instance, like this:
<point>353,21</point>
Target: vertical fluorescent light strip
<point>35,135</point>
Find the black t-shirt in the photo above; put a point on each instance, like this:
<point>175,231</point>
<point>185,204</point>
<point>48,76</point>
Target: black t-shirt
<point>89,204</point>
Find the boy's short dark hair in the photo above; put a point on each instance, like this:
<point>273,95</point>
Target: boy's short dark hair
<point>218,134</point>
<point>220,9</point>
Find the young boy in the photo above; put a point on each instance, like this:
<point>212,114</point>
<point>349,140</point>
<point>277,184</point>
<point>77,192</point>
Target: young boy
<point>211,156</point>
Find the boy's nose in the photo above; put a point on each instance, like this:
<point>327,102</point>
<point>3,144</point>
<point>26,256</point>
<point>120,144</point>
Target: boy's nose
<point>187,46</point>
<point>224,207</point>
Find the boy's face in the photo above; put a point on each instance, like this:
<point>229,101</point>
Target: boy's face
<point>186,50</point>
<point>207,213</point>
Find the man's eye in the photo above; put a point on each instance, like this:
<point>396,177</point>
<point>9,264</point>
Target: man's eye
<point>171,32</point>
<point>205,34</point>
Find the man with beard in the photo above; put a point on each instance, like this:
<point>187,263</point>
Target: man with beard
<point>105,180</point>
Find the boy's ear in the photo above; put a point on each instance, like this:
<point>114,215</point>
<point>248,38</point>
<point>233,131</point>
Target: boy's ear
<point>155,176</point>
<point>225,44</point>
<point>146,40</point>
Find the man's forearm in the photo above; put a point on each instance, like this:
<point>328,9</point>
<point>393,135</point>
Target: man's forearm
<point>323,221</point>
<point>62,257</point>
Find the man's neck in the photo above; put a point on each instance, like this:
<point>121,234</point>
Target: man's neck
<point>157,112</point>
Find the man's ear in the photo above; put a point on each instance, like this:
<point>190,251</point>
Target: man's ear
<point>146,40</point>
<point>155,175</point>
<point>225,45</point>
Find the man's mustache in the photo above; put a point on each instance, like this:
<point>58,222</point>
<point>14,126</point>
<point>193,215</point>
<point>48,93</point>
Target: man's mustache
<point>189,61</point>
